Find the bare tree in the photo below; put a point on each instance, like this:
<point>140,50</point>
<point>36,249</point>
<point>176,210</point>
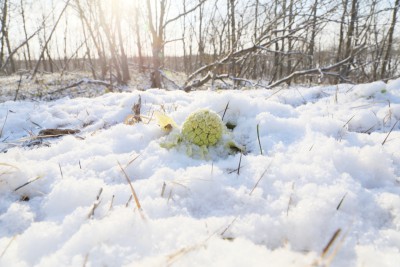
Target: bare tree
<point>138,39</point>
<point>124,60</point>
<point>28,50</point>
<point>157,28</point>
<point>3,29</point>
<point>45,46</point>
<point>94,37</point>
<point>228,42</point>
<point>7,39</point>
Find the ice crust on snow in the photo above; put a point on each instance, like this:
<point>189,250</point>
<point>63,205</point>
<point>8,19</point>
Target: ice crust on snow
<point>323,168</point>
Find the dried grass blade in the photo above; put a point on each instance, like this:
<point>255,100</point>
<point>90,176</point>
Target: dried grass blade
<point>112,202</point>
<point>394,125</point>
<point>95,204</point>
<point>229,226</point>
<point>163,189</point>
<point>130,162</point>
<point>8,245</point>
<point>259,179</point>
<point>131,186</point>
<point>341,201</point>
<point>27,183</point>
<point>258,137</point>
<point>337,248</point>
<point>8,165</point>
<point>330,243</point>
<point>2,127</point>
<point>226,108</point>
<point>136,109</point>
<point>240,162</point>
<point>348,121</point>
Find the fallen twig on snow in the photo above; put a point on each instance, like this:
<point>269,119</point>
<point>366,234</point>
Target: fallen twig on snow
<point>84,81</point>
<point>48,133</point>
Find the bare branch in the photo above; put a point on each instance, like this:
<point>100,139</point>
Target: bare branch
<point>183,14</point>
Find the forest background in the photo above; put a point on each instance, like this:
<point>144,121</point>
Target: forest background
<point>233,42</point>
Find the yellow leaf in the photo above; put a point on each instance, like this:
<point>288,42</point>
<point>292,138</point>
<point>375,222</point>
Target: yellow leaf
<point>166,123</point>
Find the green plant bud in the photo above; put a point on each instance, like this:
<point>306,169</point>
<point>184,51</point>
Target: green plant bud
<point>203,128</point>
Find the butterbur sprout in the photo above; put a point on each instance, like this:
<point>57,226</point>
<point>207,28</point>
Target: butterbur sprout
<point>203,128</point>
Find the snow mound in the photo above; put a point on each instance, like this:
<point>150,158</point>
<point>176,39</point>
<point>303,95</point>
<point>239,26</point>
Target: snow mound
<point>322,168</point>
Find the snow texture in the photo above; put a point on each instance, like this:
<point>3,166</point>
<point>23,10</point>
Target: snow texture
<point>328,165</point>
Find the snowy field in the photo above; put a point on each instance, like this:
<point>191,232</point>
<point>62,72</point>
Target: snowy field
<point>323,190</point>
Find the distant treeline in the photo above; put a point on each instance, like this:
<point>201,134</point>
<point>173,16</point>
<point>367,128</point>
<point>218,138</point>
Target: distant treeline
<point>262,43</point>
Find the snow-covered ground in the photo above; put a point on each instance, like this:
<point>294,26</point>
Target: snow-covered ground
<point>325,190</point>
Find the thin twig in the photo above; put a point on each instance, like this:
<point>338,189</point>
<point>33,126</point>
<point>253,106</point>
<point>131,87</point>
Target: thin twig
<point>86,81</point>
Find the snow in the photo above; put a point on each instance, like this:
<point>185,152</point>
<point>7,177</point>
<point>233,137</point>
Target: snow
<point>328,164</point>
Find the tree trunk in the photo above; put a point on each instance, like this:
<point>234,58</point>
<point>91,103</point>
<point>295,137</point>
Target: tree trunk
<point>28,50</point>
<point>350,34</point>
<point>311,50</point>
<point>157,54</point>
<point>124,60</point>
<point>3,30</point>
<point>276,55</point>
<point>201,41</point>
<point>386,58</point>
<point>233,38</point>
<point>111,43</point>
<point>157,42</point>
<point>233,25</point>
<point>290,47</point>
<point>138,41</point>
<point>255,68</point>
